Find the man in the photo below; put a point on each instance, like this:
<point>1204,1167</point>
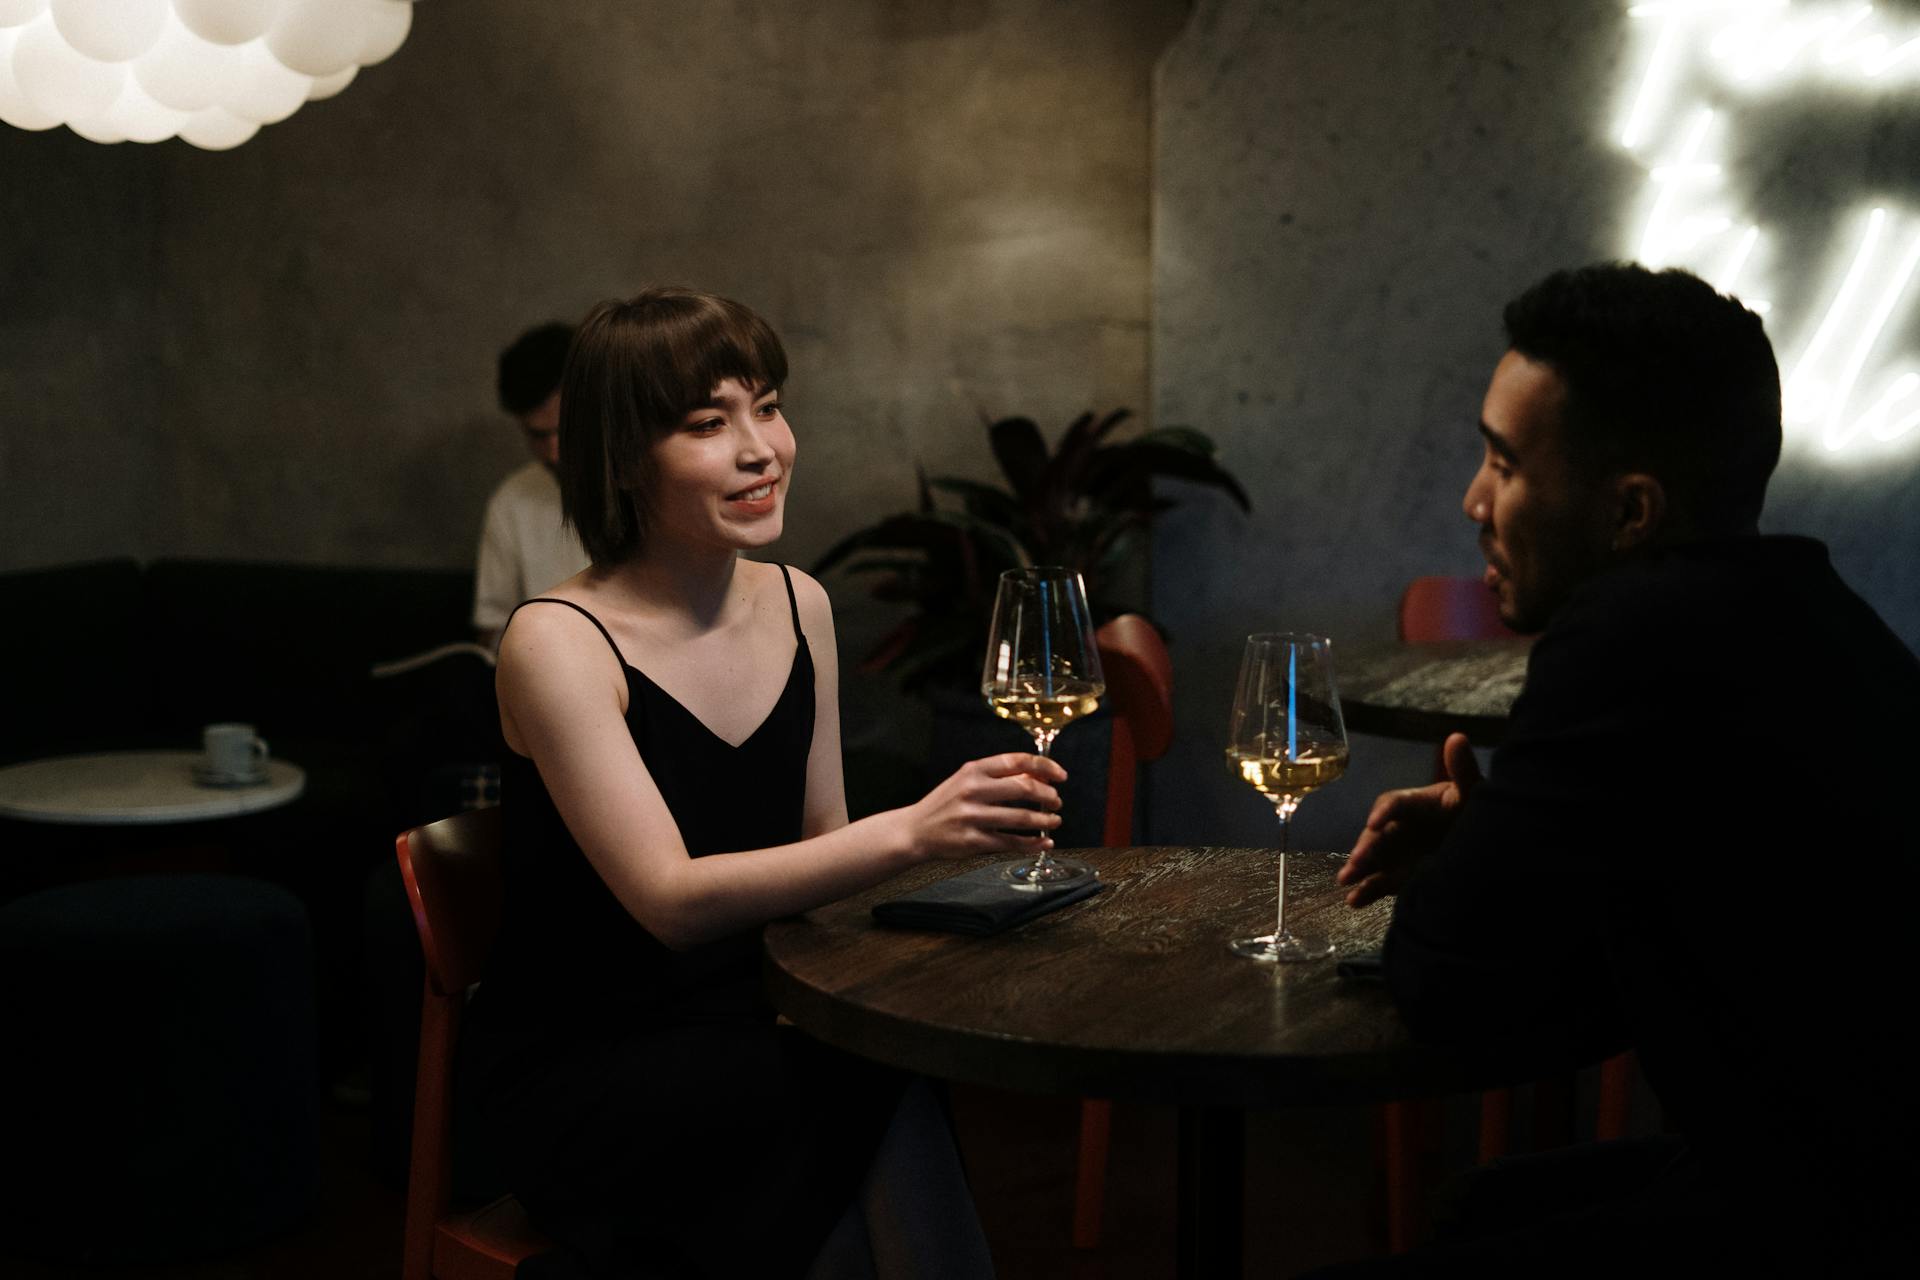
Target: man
<point>1693,842</point>
<point>524,546</point>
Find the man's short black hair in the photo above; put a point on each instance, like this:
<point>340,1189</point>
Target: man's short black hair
<point>530,369</point>
<point>1664,375</point>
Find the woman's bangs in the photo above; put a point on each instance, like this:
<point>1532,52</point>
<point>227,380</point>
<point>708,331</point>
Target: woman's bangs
<point>733,343</point>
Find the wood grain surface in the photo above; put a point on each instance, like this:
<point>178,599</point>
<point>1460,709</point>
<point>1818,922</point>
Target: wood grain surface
<point>1130,994</point>
<point>1423,692</point>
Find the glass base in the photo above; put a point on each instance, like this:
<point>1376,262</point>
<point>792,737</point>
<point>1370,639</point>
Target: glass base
<point>1283,950</point>
<point>1045,875</point>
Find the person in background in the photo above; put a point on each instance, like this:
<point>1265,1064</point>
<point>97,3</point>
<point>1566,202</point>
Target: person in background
<point>673,782</point>
<point>525,547</point>
<point>1694,841</point>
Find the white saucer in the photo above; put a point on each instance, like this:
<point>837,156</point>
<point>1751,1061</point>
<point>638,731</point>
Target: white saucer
<point>207,777</point>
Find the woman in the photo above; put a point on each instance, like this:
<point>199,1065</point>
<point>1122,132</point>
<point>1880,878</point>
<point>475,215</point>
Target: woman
<point>675,783</point>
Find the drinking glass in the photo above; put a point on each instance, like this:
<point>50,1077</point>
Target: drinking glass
<point>1043,673</point>
<point>1286,739</point>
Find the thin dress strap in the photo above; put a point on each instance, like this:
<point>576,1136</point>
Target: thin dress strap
<point>792,604</point>
<point>583,613</point>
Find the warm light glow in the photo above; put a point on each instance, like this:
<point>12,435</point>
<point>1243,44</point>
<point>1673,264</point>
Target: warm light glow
<point>1838,386</point>
<point>208,71</point>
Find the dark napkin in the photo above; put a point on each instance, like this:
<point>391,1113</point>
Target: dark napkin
<point>978,903</point>
<point>1361,964</point>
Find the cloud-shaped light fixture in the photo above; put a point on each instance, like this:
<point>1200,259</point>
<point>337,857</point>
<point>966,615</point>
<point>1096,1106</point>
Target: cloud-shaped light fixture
<point>209,71</point>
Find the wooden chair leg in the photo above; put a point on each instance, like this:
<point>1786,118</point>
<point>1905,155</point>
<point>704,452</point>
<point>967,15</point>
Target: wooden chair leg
<point>1404,1128</point>
<point>1496,1124</point>
<point>1616,1097</point>
<point>1090,1181</point>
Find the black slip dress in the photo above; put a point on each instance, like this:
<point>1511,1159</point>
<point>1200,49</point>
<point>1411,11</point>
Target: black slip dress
<point>640,1102</point>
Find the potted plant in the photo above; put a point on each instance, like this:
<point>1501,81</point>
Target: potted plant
<point>1087,504</point>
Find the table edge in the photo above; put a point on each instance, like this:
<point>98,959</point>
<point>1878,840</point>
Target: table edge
<point>214,806</point>
<point>979,1057</point>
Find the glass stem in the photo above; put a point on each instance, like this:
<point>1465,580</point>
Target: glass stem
<point>1280,933</point>
<point>1043,744</point>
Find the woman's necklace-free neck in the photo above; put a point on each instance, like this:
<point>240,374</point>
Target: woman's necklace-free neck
<point>694,589</point>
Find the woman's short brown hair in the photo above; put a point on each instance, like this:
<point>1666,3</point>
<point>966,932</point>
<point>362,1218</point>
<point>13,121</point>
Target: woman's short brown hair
<point>635,370</point>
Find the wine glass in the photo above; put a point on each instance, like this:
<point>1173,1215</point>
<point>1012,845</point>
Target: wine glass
<point>1286,739</point>
<point>1043,673</point>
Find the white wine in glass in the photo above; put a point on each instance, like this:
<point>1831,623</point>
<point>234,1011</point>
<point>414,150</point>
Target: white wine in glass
<point>1286,739</point>
<point>1042,672</point>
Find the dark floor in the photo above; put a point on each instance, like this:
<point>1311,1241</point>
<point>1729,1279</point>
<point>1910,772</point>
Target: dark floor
<point>1309,1192</point>
<point>1312,1196</point>
<point>1309,1195</point>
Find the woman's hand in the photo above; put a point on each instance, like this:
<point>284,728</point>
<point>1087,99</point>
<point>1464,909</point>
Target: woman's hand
<point>976,810</point>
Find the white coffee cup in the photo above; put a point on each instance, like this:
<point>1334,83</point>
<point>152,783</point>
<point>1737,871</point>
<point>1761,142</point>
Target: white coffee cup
<point>233,751</point>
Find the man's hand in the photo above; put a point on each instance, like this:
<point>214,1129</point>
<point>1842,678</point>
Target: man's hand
<point>1405,826</point>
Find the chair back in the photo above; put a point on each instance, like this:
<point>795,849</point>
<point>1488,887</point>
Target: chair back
<point>1140,692</point>
<point>452,870</point>
<point>1442,608</point>
<point>454,879</point>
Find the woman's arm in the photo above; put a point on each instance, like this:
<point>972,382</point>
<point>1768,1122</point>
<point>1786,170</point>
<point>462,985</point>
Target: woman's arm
<point>561,695</point>
<point>826,783</point>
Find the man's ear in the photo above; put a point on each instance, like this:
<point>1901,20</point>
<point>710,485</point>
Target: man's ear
<point>1639,510</point>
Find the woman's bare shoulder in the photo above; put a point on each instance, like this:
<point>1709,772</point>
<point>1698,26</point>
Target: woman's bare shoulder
<point>816,609</point>
<point>545,634</point>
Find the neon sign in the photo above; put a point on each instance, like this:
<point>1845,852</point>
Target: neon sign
<point>1839,389</point>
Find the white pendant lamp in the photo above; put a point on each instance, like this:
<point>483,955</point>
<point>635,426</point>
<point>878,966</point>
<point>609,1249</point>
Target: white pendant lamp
<point>208,71</point>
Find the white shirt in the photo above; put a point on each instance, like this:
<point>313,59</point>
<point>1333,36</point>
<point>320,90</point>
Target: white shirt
<point>524,548</point>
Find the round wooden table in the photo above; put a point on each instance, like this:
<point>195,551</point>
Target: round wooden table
<point>1131,994</point>
<point>136,788</point>
<point>1423,692</point>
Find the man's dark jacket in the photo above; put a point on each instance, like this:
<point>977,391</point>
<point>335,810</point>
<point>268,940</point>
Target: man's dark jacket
<point>1698,840</point>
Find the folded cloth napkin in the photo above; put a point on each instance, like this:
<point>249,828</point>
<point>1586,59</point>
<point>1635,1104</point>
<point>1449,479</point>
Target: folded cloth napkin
<point>1360,964</point>
<point>978,903</point>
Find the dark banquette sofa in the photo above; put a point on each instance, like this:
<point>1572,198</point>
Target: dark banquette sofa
<point>116,654</point>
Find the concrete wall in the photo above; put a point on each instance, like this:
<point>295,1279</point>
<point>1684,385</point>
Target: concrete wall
<point>81,445</point>
<point>286,351</point>
<point>1346,192</point>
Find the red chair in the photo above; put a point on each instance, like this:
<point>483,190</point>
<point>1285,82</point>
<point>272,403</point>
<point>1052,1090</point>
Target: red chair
<point>1442,608</point>
<point>452,870</point>
<point>1140,692</point>
<point>1437,608</point>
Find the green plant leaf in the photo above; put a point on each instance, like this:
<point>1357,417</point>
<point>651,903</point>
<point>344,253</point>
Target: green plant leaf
<point>1121,531</point>
<point>1075,441</point>
<point>1021,453</point>
<point>1088,503</point>
<point>892,645</point>
<point>983,500</point>
<point>905,532</point>
<point>1181,438</point>
<point>979,531</point>
<point>1077,445</point>
<point>1127,464</point>
<point>1107,424</point>
<point>897,589</point>
<point>942,654</point>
